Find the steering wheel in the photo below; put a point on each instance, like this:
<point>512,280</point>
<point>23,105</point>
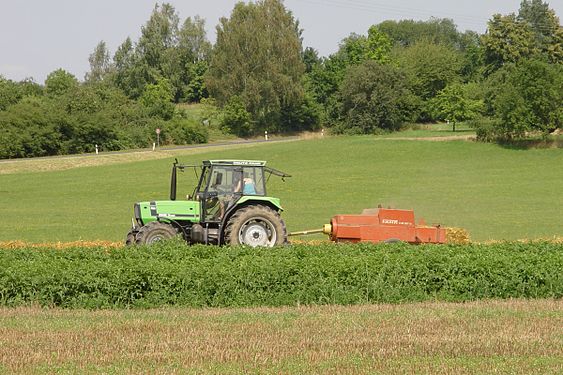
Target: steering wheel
<point>222,189</point>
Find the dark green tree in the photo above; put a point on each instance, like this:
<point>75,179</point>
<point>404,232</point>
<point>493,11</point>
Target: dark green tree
<point>506,41</point>
<point>165,50</point>
<point>10,93</point>
<point>257,57</point>
<point>373,98</point>
<point>429,68</point>
<point>125,61</point>
<point>60,82</point>
<point>194,50</point>
<point>526,97</point>
<point>545,25</point>
<point>311,59</point>
<point>437,30</point>
<point>235,118</point>
<point>157,99</point>
<point>324,78</point>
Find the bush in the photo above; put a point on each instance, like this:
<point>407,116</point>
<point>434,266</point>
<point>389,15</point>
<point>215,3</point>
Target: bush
<point>183,132</point>
<point>304,116</point>
<point>172,273</point>
<point>157,99</point>
<point>235,118</point>
<point>485,129</point>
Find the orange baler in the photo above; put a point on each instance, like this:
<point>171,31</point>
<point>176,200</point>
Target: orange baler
<point>383,225</point>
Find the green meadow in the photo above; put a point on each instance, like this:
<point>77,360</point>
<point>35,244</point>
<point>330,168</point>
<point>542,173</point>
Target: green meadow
<point>495,193</point>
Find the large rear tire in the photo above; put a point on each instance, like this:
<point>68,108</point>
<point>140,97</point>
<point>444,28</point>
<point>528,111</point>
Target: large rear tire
<point>154,232</point>
<point>256,226</point>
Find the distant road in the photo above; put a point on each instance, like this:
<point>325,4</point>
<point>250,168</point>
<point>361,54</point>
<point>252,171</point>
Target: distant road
<point>201,145</point>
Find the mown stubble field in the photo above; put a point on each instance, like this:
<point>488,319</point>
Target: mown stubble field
<point>511,337</point>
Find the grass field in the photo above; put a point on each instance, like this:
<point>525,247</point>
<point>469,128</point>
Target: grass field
<point>506,337</point>
<point>494,192</point>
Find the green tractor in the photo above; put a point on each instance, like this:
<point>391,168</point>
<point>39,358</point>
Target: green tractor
<point>229,206</point>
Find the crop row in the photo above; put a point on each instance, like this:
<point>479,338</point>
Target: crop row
<point>172,273</point>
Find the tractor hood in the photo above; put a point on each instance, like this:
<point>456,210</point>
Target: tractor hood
<point>145,212</point>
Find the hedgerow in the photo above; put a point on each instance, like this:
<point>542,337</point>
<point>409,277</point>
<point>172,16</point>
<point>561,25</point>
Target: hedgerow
<point>172,273</point>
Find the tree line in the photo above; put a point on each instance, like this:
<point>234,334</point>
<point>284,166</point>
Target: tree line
<point>258,77</point>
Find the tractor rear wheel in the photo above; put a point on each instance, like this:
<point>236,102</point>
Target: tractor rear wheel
<point>154,232</point>
<point>256,226</point>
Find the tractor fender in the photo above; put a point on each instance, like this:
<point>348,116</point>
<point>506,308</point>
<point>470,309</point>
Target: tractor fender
<point>274,203</point>
<point>176,225</point>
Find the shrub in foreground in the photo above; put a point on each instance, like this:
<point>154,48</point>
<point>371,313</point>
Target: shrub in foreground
<point>173,274</point>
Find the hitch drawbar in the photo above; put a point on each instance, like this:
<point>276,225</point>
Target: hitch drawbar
<point>379,225</point>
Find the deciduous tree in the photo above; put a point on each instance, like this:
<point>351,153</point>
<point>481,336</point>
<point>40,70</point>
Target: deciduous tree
<point>545,25</point>
<point>257,57</point>
<point>100,64</point>
<point>507,40</point>
<point>60,82</point>
<point>452,104</point>
<point>373,98</point>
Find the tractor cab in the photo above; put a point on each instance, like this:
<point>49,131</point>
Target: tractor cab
<point>223,183</point>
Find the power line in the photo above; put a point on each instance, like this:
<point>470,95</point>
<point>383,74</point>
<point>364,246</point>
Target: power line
<point>407,11</point>
<point>402,11</point>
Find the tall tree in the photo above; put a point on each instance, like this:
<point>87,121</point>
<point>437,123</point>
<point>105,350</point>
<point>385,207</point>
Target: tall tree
<point>372,98</point>
<point>430,68</point>
<point>157,35</point>
<point>527,97</point>
<point>192,40</point>
<point>507,40</point>
<point>545,25</point>
<point>100,63</point>
<point>257,56</point>
<point>125,62</point>
<point>324,78</point>
<point>165,50</point>
<point>156,54</point>
<point>194,50</point>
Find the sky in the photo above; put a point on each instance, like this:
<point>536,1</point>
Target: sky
<point>40,36</point>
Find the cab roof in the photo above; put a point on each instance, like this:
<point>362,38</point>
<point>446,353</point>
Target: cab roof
<point>249,163</point>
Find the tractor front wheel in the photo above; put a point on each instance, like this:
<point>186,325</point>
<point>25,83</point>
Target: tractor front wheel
<point>130,239</point>
<point>154,232</point>
<point>256,226</point>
